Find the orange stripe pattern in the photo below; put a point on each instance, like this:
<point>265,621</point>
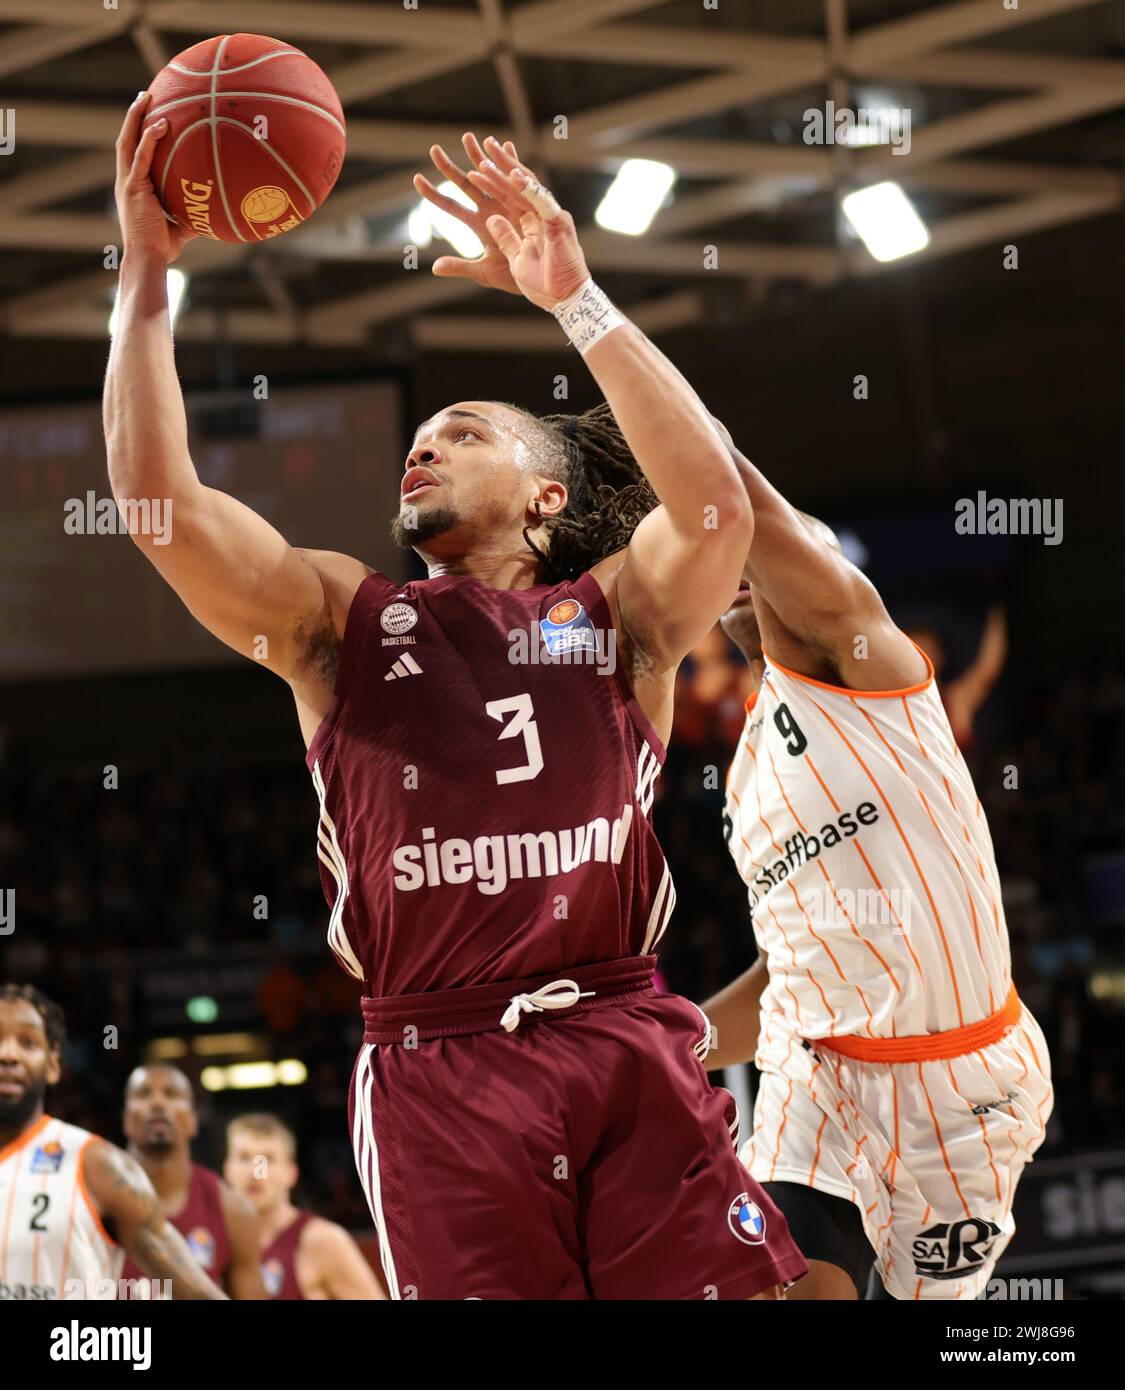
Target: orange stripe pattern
<point>52,1241</point>
<point>870,870</point>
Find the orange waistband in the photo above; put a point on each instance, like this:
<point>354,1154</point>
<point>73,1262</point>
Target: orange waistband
<point>929,1047</point>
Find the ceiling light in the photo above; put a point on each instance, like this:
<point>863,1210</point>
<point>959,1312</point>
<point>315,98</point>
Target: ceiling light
<point>635,196</point>
<point>176,281</point>
<point>882,125</point>
<point>425,216</point>
<point>419,228</point>
<point>886,221</point>
<point>879,119</point>
<point>254,1076</point>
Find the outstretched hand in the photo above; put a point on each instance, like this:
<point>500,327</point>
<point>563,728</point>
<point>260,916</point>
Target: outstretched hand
<point>143,223</point>
<point>489,270</point>
<point>531,247</point>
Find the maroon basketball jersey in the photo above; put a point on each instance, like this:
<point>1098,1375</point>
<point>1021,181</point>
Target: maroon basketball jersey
<point>485,780</point>
<point>279,1260</point>
<point>202,1225</point>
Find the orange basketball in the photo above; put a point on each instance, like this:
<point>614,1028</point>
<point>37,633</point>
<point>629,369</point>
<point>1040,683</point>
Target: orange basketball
<point>255,140</point>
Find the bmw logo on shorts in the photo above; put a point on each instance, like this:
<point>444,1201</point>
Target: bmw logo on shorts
<point>747,1221</point>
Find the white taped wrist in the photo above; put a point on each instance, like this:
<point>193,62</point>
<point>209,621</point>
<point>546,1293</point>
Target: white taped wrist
<point>587,316</point>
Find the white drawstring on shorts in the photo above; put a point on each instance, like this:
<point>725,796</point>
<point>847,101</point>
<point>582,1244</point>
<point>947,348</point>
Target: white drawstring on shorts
<point>559,994</point>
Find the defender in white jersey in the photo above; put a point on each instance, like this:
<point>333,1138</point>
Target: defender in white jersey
<point>71,1205</point>
<point>903,1084</point>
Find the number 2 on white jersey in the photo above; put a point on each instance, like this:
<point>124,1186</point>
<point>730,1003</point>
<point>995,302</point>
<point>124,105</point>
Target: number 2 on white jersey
<point>523,722</point>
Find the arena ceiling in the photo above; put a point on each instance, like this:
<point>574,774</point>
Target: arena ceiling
<point>1018,119</point>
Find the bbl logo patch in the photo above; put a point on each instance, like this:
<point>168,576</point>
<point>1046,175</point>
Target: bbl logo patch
<point>202,1244</point>
<point>746,1220</point>
<point>273,1276</point>
<point>398,618</point>
<point>955,1249</point>
<point>47,1158</point>
<point>567,628</point>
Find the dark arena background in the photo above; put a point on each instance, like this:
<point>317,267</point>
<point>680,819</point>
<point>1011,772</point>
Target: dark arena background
<point>158,870</point>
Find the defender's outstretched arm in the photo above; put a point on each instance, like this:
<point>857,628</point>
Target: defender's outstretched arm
<point>812,599</point>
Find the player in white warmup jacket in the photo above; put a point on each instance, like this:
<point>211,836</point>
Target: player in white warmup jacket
<point>71,1205</point>
<point>903,1084</point>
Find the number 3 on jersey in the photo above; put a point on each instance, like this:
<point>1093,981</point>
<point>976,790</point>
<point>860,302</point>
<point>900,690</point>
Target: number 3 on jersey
<point>523,722</point>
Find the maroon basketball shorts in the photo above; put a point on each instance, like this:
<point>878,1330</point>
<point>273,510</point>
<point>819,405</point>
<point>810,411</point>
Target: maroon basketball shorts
<point>578,1152</point>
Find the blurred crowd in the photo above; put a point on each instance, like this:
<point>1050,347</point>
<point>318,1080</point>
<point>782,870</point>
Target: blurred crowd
<point>173,864</point>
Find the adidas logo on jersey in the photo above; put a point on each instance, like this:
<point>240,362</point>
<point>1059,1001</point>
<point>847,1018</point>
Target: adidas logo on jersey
<point>404,666</point>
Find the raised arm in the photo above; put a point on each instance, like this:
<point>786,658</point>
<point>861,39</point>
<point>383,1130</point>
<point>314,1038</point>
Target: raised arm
<point>815,605</point>
<point>684,561</point>
<point>126,1201</point>
<point>683,564</point>
<point>965,695</point>
<point>233,570</point>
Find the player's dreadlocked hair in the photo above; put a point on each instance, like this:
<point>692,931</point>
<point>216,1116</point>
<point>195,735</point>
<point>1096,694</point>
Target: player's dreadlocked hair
<point>607,494</point>
<point>54,1020</point>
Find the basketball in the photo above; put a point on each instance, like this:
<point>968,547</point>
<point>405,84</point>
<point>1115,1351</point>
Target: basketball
<point>255,140</point>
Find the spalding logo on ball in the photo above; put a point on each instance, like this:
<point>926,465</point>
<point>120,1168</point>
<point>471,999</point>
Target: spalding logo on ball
<point>255,138</point>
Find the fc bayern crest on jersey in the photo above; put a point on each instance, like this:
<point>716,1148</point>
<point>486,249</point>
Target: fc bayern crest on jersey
<point>47,1158</point>
<point>398,618</point>
<point>273,1276</point>
<point>747,1221</point>
<point>567,628</point>
<point>202,1244</point>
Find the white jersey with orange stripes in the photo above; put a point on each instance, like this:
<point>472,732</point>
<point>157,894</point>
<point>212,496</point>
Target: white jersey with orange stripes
<point>930,1151</point>
<point>52,1241</point>
<point>873,886</point>
<point>899,1069</point>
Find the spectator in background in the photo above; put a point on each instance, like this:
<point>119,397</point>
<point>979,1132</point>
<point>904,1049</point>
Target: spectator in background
<point>281,999</point>
<point>713,687</point>
<point>965,693</point>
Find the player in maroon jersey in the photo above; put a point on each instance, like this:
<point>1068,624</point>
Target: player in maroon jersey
<point>529,1119</point>
<point>302,1254</point>
<point>73,1204</point>
<point>220,1227</point>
